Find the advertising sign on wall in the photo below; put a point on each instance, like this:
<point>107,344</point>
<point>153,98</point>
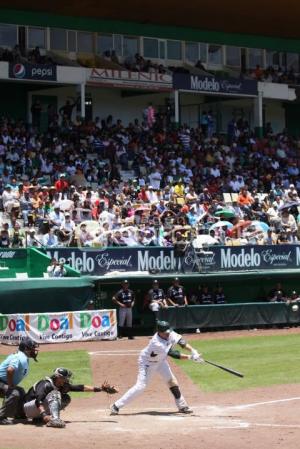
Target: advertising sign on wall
<point>36,72</point>
<point>97,262</point>
<point>59,327</point>
<point>214,85</point>
<point>133,80</point>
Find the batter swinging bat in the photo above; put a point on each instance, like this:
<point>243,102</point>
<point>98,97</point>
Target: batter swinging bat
<point>229,370</point>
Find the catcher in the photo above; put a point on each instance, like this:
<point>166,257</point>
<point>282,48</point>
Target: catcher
<point>46,398</point>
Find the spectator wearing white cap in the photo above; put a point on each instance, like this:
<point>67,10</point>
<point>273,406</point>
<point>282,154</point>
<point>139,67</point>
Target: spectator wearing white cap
<point>155,178</point>
<point>56,217</point>
<point>67,228</point>
<point>151,195</point>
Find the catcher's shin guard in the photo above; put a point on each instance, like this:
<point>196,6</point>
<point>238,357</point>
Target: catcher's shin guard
<point>54,401</point>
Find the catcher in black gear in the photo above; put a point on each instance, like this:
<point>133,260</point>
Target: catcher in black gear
<point>46,398</point>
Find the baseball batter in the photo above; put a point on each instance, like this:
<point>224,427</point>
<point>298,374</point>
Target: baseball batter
<point>153,359</point>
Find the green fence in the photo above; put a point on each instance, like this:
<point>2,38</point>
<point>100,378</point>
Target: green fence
<point>231,315</point>
<point>45,295</point>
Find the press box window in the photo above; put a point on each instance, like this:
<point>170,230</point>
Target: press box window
<point>130,46</point>
<point>233,56</point>
<point>292,61</point>
<point>215,55</point>
<point>36,37</point>
<point>8,35</point>
<point>192,51</point>
<point>85,42</point>
<point>255,58</point>
<point>104,43</point>
<point>58,39</point>
<point>273,58</point>
<point>72,41</point>
<point>151,48</point>
<point>174,50</point>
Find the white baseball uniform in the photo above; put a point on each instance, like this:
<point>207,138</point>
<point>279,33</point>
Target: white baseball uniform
<point>153,359</point>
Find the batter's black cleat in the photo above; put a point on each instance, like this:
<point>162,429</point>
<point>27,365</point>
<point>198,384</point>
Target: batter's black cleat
<point>114,410</point>
<point>5,422</point>
<point>187,410</point>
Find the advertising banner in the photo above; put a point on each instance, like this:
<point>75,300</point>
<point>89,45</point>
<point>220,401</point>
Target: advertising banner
<point>127,79</point>
<point>214,85</point>
<point>59,327</point>
<point>97,262</point>
<point>36,72</point>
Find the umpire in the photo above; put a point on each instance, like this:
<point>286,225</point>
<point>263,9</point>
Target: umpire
<point>12,371</point>
<point>125,299</point>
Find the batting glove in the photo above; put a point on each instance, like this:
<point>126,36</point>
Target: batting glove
<point>195,353</point>
<point>196,358</point>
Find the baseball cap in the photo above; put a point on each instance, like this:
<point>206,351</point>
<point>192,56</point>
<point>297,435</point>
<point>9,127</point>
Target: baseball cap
<point>176,279</point>
<point>125,282</point>
<point>155,281</point>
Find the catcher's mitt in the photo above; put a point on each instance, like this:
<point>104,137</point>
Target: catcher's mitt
<point>110,389</point>
<point>56,422</point>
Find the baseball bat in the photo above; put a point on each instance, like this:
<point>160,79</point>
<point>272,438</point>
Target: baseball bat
<point>228,370</point>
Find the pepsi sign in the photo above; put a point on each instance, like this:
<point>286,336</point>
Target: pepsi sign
<point>36,72</point>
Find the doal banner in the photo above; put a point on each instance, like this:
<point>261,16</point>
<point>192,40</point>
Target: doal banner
<point>59,327</point>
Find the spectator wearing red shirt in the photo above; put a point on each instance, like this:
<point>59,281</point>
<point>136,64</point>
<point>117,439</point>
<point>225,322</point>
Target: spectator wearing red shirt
<point>61,185</point>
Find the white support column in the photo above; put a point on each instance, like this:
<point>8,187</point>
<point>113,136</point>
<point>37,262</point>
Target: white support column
<point>176,101</point>
<point>82,97</point>
<point>258,114</point>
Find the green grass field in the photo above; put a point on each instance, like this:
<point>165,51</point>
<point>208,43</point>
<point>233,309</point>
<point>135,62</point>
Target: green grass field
<point>265,361</point>
<point>77,361</point>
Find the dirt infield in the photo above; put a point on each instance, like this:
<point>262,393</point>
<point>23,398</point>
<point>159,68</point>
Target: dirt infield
<point>255,418</point>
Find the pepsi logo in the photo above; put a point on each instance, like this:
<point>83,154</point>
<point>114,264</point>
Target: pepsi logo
<point>19,71</point>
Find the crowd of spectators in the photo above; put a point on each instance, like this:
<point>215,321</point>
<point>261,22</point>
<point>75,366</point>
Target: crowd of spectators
<point>20,55</point>
<point>67,186</point>
<point>275,75</point>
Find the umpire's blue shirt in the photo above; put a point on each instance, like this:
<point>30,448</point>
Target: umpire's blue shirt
<point>19,362</point>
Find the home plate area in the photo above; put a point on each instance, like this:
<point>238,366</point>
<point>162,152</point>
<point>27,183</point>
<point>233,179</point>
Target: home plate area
<point>253,415</point>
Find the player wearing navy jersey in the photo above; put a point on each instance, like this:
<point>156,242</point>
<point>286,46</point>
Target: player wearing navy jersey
<point>205,297</point>
<point>156,298</point>
<point>176,295</point>
<point>125,299</point>
<point>219,297</point>
<point>153,359</point>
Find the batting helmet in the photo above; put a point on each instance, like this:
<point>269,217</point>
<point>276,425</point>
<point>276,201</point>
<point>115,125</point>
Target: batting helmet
<point>64,373</point>
<point>163,326</point>
<point>30,346</point>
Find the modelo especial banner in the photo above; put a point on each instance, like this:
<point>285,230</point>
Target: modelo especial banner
<point>97,262</point>
<point>59,327</point>
<point>214,85</point>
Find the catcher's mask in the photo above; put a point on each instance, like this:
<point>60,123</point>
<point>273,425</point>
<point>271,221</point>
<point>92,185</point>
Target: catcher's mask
<point>30,348</point>
<point>163,326</point>
<point>62,373</point>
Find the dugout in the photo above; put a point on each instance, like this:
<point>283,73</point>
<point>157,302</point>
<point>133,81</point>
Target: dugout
<point>25,288</point>
<point>246,294</point>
